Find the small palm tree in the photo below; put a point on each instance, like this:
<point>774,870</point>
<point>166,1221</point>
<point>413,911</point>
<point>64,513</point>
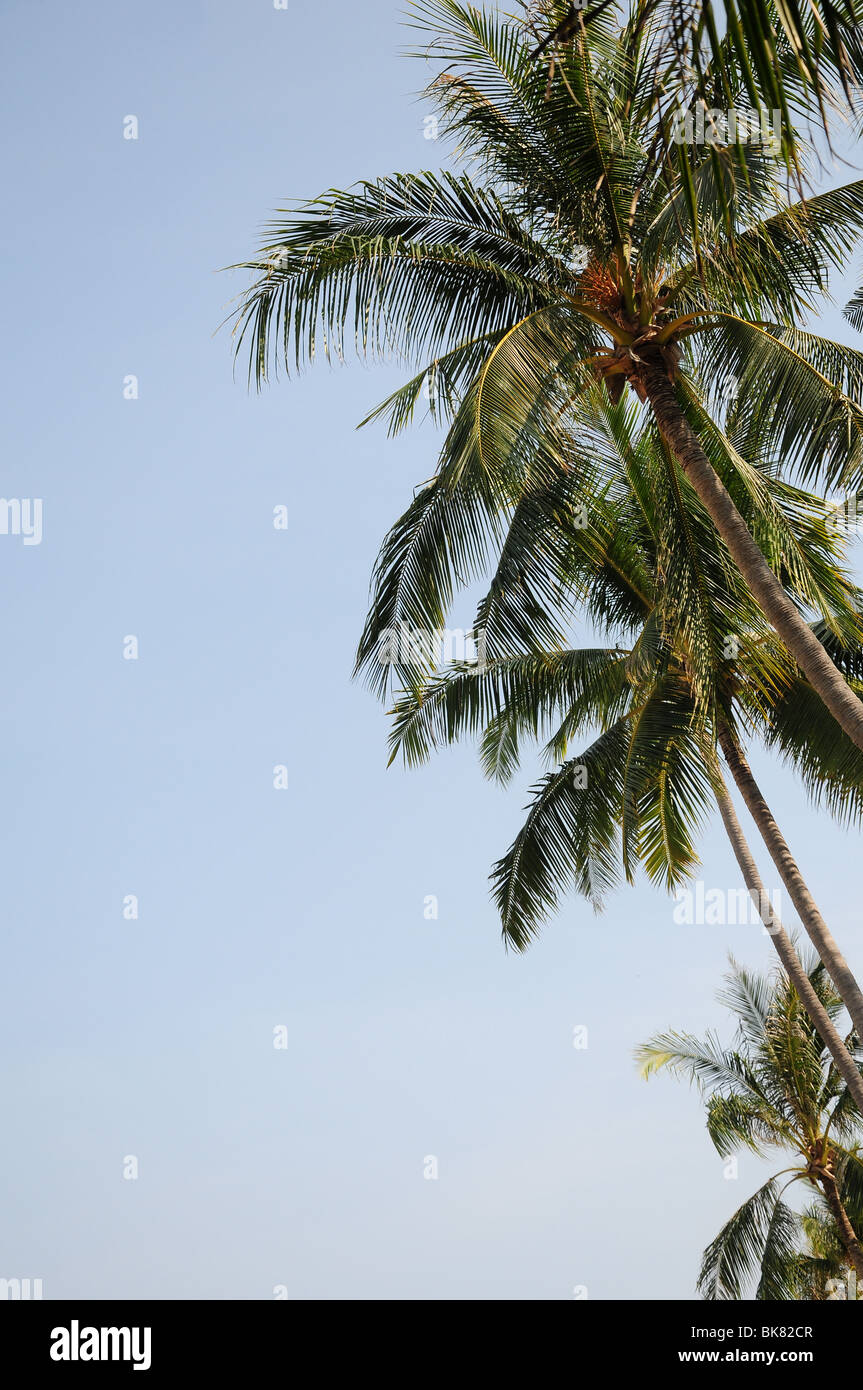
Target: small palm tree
<point>774,1090</point>
<point>589,248</point>
<point>822,1269</point>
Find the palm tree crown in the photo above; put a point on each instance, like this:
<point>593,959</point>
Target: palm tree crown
<point>690,652</point>
<point>774,1090</point>
<point>645,571</point>
<point>581,245</point>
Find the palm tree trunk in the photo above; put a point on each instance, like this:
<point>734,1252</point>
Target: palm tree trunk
<point>819,933</point>
<point>847,1234</point>
<point>821,1020</point>
<point>772,599</point>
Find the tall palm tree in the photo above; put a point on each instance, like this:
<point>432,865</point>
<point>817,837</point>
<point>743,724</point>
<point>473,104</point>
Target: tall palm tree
<point>588,248</point>
<point>643,570</point>
<point>774,1090</point>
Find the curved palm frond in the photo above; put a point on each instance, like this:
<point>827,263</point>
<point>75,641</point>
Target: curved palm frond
<point>524,694</point>
<point>759,1240</point>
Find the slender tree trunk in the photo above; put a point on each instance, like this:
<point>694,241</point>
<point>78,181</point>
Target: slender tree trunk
<point>769,594</point>
<point>847,1234</point>
<point>830,1036</point>
<point>819,933</point>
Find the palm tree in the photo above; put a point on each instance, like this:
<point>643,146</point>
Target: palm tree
<point>644,568</point>
<point>589,248</point>
<point>822,1266</point>
<point>774,1090</point>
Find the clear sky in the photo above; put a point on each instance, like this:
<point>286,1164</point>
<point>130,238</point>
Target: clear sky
<point>153,1038</point>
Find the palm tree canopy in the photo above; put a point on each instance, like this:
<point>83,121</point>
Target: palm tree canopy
<point>775,1090</point>
<point>581,245</point>
<point>689,648</point>
<point>820,1264</point>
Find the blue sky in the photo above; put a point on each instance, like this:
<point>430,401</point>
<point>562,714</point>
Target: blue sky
<point>258,908</point>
